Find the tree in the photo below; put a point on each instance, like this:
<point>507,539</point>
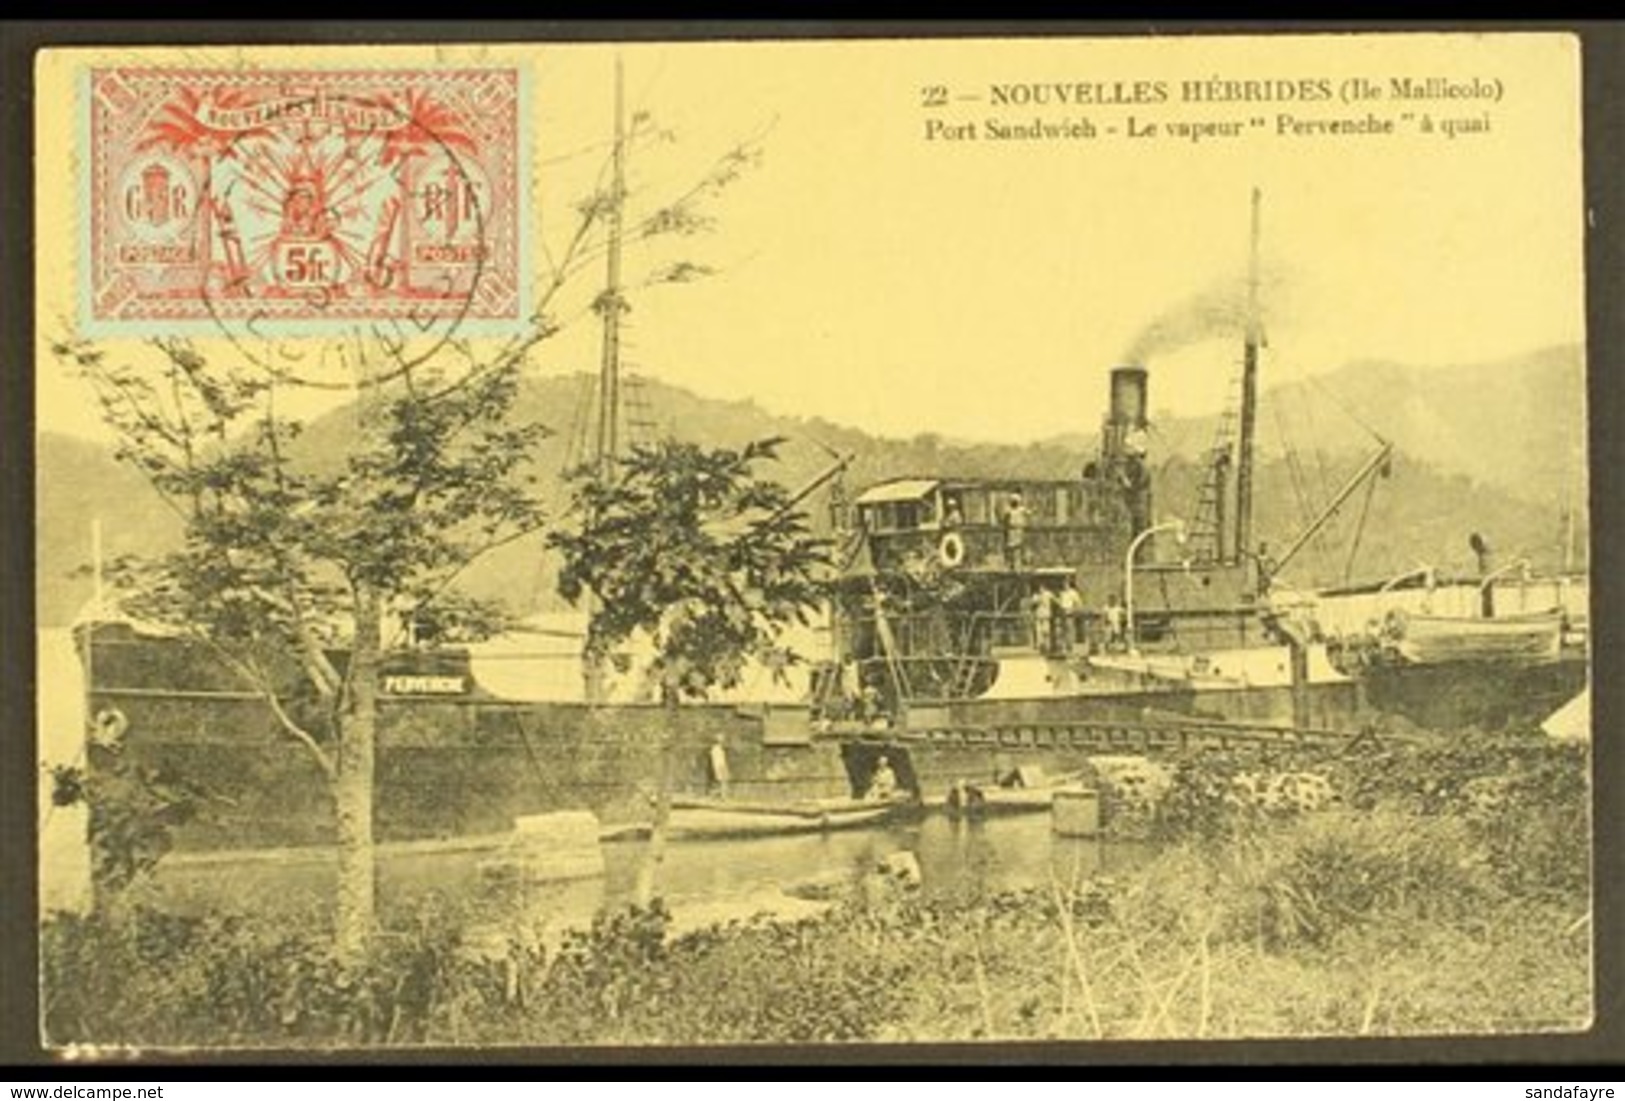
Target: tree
<point>685,546</point>
<point>288,567</point>
<point>292,572</point>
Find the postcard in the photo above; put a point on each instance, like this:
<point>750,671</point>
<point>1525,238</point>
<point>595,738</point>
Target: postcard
<point>795,541</point>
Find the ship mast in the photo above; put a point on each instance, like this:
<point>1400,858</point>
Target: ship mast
<point>611,304</point>
<point>1249,399</point>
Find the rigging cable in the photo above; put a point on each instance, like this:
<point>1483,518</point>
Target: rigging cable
<point>575,447</point>
<point>1347,409</point>
<point>1330,532</point>
<point>1359,529</point>
<point>1300,491</point>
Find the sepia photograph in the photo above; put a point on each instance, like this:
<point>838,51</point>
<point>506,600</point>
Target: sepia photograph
<point>885,541</point>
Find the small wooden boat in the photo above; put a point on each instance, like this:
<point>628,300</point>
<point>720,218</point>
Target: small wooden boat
<point>973,800</point>
<point>1436,640</point>
<point>1027,790</point>
<point>702,818</point>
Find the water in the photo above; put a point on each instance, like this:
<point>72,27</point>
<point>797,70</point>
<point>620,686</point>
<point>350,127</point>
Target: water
<point>956,859</point>
<point>700,881</point>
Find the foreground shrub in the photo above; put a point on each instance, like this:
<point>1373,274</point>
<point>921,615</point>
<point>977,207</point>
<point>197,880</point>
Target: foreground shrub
<point>1538,832</point>
<point>146,978</point>
<point>1383,921</point>
<point>1343,871</point>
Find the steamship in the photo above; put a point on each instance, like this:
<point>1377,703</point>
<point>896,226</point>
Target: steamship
<point>940,621</point>
<point>937,658</point>
<point>976,625</point>
<point>970,603</point>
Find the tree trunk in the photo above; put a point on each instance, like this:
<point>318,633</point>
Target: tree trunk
<point>655,853</point>
<point>353,784</point>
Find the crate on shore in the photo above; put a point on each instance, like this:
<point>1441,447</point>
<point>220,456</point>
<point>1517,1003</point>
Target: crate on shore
<point>1076,813</point>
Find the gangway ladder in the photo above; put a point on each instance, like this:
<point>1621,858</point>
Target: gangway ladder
<point>888,648</point>
<point>1206,539</point>
<point>966,669</point>
<point>968,664</point>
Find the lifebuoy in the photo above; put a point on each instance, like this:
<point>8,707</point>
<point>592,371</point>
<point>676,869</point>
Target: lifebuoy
<point>951,551</point>
<point>109,726</point>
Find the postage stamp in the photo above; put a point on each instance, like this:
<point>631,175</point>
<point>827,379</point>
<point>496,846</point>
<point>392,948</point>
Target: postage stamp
<point>289,198</point>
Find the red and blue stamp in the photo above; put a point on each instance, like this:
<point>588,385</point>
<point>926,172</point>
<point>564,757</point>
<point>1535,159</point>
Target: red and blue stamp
<point>288,201</point>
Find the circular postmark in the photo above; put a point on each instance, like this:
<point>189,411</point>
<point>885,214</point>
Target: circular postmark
<point>351,236</point>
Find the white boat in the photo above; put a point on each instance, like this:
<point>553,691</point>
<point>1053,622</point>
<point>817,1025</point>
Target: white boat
<point>1436,640</point>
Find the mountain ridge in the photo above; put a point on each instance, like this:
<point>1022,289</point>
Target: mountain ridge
<point>1495,459</point>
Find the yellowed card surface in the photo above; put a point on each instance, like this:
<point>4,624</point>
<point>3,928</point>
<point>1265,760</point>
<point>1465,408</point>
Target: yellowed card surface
<point>922,259</point>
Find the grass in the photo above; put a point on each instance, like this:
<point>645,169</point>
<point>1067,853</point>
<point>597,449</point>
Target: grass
<point>1204,945</point>
<point>1385,918</point>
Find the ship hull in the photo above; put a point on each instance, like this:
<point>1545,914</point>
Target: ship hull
<point>474,764</point>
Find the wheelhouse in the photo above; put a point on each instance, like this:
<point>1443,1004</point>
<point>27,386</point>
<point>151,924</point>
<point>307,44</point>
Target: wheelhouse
<point>921,526</point>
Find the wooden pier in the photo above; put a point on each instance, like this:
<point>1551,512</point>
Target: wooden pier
<point>1170,735</point>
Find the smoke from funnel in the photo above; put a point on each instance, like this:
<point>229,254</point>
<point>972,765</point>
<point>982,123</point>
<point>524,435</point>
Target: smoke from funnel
<point>1218,312</point>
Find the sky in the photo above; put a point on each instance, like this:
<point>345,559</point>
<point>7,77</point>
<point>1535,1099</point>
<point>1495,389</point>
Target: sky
<point>980,288</point>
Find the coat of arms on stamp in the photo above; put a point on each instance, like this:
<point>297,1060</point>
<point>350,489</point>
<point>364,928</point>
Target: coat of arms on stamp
<point>284,198</point>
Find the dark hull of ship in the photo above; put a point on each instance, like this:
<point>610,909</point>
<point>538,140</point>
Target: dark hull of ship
<point>471,764</point>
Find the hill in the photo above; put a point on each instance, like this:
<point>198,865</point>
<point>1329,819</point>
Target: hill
<point>1518,424</point>
<point>1486,448</point>
<point>75,483</point>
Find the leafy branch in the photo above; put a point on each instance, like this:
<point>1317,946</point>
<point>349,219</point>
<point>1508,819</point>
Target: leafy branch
<point>688,547</point>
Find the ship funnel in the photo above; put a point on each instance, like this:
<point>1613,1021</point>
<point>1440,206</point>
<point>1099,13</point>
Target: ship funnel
<point>1123,443</point>
<point>1128,397</point>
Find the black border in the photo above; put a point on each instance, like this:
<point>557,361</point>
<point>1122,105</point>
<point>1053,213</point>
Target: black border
<point>1603,68</point>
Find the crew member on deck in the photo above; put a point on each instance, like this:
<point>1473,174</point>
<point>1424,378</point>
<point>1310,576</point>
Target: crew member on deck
<point>1068,608</point>
<point>1116,617</point>
<point>872,708</point>
<point>1266,568</point>
<point>1043,621</point>
<point>1015,533</point>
